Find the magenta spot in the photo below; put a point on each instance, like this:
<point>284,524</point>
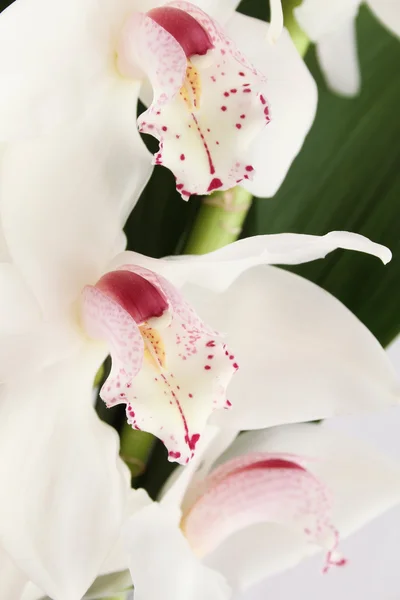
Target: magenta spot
<point>249,168</point>
<point>241,74</point>
<point>190,395</point>
<point>179,186</point>
<point>234,91</point>
<point>228,403</point>
<point>210,344</point>
<point>210,356</point>
<point>177,136</point>
<point>242,116</point>
<point>173,454</point>
<point>226,94</point>
<point>238,126</point>
<point>247,91</point>
<point>235,366</point>
<point>193,441</point>
<point>215,184</point>
<point>207,367</point>
<point>164,128</point>
<point>182,157</point>
<point>266,110</point>
<point>223,108</point>
<point>231,357</point>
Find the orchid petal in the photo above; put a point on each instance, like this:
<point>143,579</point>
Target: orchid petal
<point>221,11</point>
<point>338,59</point>
<point>322,17</point>
<point>292,95</point>
<point>199,103</point>
<point>157,548</point>
<point>12,580</point>
<point>62,475</point>
<point>364,484</point>
<point>218,270</point>
<point>87,180</point>
<point>47,82</point>
<point>302,354</point>
<point>388,12</point>
<point>257,488</point>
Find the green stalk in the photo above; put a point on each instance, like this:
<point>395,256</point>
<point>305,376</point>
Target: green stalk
<point>136,448</point>
<point>219,223</point>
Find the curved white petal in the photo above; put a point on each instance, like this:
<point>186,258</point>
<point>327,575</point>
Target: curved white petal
<point>292,98</point>
<point>276,25</point>
<point>302,354</point>
<point>64,488</point>
<point>321,17</point>
<point>12,580</point>
<point>62,219</point>
<point>162,563</point>
<point>46,80</point>
<point>338,59</point>
<point>221,11</point>
<point>388,12</point>
<point>363,482</point>
<point>218,270</point>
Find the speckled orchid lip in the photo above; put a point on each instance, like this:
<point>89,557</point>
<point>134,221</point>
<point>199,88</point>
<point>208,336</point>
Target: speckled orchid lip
<point>209,102</point>
<point>168,367</point>
<point>261,487</point>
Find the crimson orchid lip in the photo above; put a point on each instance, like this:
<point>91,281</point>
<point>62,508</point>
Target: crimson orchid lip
<point>188,32</point>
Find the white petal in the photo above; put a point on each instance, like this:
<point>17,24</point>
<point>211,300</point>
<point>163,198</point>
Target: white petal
<point>364,484</point>
<point>388,12</point>
<point>64,487</point>
<point>302,355</point>
<point>63,219</point>
<point>221,11</point>
<point>19,311</point>
<point>338,59</point>
<point>218,270</point>
<point>292,97</point>
<point>276,25</point>
<point>162,564</point>
<point>47,81</point>
<point>12,580</point>
<point>321,17</point>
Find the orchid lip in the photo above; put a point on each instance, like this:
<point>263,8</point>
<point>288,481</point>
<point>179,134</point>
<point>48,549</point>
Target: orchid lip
<point>188,32</point>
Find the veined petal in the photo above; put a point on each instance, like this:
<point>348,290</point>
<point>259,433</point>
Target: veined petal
<point>200,104</point>
<point>302,354</point>
<point>388,12</point>
<point>218,270</point>
<point>157,549</point>
<point>292,95</point>
<point>364,484</point>
<point>257,488</point>
<point>86,181</point>
<point>60,461</point>
<point>170,369</point>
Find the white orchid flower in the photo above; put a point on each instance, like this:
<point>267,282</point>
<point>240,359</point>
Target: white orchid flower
<point>273,498</point>
<point>331,24</point>
<point>61,289</point>
<point>82,64</point>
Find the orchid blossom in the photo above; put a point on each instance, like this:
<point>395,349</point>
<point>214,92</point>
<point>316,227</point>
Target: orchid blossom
<point>211,88</point>
<point>331,24</point>
<point>273,498</point>
<point>67,302</point>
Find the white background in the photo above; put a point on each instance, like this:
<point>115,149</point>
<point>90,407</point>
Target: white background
<point>373,570</point>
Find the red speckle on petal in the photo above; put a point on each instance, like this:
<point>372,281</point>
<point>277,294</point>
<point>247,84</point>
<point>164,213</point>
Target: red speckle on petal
<point>193,441</point>
<point>263,100</point>
<point>182,157</point>
<point>210,344</point>
<point>179,186</point>
<point>249,168</point>
<point>247,91</point>
<point>242,116</point>
<point>210,356</point>
<point>235,366</point>
<point>207,367</point>
<point>164,128</point>
<point>226,94</point>
<point>223,108</point>
<point>190,395</point>
<point>173,454</point>
<point>241,74</point>
<point>238,126</point>
<point>215,184</point>
<point>233,91</point>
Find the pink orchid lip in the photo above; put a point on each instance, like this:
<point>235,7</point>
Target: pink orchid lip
<point>135,294</point>
<point>188,32</point>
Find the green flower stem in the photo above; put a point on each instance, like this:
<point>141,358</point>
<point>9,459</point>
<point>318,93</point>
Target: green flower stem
<point>300,39</point>
<point>136,448</point>
<point>219,221</point>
